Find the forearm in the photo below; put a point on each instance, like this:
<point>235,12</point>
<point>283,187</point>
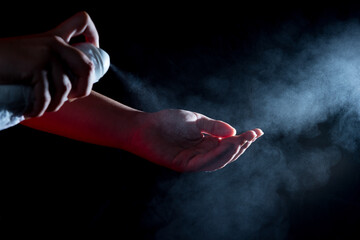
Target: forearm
<point>95,119</point>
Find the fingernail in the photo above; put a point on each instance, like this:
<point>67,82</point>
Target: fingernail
<point>250,135</point>
<point>261,132</point>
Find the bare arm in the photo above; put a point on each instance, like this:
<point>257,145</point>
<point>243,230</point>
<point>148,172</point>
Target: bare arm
<point>177,139</point>
<point>95,119</point>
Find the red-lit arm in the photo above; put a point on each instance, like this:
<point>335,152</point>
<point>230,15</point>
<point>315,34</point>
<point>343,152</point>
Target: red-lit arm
<point>177,139</point>
<point>95,119</point>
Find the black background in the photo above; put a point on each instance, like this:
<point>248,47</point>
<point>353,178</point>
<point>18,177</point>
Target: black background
<point>52,183</point>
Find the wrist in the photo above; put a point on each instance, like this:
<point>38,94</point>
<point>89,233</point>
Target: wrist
<point>138,139</point>
<point>129,125</point>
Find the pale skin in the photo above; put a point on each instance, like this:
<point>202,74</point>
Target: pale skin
<point>44,61</point>
<point>172,138</point>
<point>177,139</point>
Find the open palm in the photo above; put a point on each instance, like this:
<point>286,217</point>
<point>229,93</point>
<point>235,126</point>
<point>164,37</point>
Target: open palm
<point>188,141</point>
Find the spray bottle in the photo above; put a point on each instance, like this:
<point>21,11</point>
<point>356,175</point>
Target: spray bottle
<point>15,99</point>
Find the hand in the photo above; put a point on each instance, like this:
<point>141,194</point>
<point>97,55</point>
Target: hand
<point>189,141</point>
<point>56,70</point>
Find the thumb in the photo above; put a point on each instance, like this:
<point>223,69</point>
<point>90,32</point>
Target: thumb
<point>214,127</point>
<point>78,24</point>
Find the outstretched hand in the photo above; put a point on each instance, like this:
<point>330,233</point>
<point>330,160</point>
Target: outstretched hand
<point>188,141</point>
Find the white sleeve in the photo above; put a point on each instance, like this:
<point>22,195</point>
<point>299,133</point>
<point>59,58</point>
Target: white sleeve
<point>14,99</point>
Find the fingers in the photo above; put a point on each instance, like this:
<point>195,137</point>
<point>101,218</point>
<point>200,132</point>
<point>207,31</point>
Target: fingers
<point>81,69</point>
<point>52,87</point>
<point>61,71</point>
<point>227,151</point>
<point>214,127</point>
<point>258,132</point>
<point>242,149</point>
<point>250,137</point>
<point>78,24</point>
<point>49,94</point>
<point>61,86</point>
<point>224,154</point>
<point>41,95</point>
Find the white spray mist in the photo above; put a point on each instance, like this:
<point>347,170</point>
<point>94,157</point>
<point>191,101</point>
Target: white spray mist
<point>297,82</point>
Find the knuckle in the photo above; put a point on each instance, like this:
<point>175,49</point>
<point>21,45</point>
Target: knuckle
<point>85,16</point>
<point>45,98</point>
<point>87,73</point>
<point>82,16</point>
<point>52,40</point>
<point>46,48</point>
<point>89,68</point>
<point>242,141</point>
<point>86,80</point>
<point>65,86</point>
<point>55,39</point>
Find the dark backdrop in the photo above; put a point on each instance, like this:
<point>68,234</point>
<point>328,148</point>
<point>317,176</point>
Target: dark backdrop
<point>52,183</point>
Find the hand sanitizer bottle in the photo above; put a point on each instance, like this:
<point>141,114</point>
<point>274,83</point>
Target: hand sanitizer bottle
<point>14,99</point>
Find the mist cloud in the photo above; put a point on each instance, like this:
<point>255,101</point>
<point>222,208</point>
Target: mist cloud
<point>302,88</point>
